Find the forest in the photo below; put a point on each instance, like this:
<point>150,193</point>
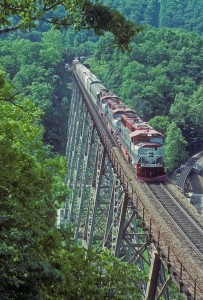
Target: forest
<point>155,65</point>
<point>163,13</point>
<point>161,79</point>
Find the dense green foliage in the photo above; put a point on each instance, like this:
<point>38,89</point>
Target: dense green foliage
<point>175,152</point>
<point>162,64</point>
<point>37,71</point>
<point>161,78</point>
<point>31,189</point>
<point>37,260</point>
<point>163,13</point>
<point>183,14</point>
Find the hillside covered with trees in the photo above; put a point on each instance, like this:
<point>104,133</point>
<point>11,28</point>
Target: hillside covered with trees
<point>160,77</point>
<point>37,259</point>
<point>163,13</point>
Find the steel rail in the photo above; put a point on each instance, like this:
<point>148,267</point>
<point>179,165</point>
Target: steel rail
<point>184,210</point>
<point>176,215</point>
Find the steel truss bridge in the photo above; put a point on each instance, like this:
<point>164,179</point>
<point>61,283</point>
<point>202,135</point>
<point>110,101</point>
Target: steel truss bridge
<point>110,209</point>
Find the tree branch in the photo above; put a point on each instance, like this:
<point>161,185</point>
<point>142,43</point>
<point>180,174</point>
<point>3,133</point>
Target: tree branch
<point>11,101</point>
<point>13,8</point>
<point>52,6</point>
<point>8,29</point>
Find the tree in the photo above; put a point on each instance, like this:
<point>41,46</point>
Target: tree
<point>185,14</point>
<point>26,75</point>
<point>196,105</point>
<point>160,123</point>
<point>52,48</point>
<point>80,14</point>
<point>95,275</point>
<point>31,189</point>
<point>24,51</point>
<point>37,72</point>
<point>179,109</point>
<point>41,94</point>
<point>195,120</point>
<point>175,147</point>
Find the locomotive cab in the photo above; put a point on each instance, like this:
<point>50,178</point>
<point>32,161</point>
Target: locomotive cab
<point>148,154</point>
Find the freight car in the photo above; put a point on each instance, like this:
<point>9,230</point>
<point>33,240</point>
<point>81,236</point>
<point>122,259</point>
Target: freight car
<point>140,143</point>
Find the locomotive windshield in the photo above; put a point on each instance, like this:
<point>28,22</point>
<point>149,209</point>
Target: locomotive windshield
<point>117,116</point>
<point>142,139</point>
<point>157,139</point>
<point>104,101</point>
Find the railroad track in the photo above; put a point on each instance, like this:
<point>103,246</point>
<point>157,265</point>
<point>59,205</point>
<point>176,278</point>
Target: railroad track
<point>187,225</point>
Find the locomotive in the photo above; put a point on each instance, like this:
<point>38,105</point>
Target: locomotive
<point>140,143</point>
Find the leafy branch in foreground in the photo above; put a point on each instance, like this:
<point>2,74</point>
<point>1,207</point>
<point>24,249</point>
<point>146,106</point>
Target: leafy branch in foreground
<point>81,14</point>
<point>9,94</point>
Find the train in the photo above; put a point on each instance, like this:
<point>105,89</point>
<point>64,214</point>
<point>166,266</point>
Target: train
<point>142,146</point>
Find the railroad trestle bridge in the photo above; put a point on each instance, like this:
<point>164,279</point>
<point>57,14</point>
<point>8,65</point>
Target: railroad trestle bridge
<point>110,209</point>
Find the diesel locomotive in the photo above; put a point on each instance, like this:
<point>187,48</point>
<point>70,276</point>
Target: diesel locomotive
<point>141,145</point>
